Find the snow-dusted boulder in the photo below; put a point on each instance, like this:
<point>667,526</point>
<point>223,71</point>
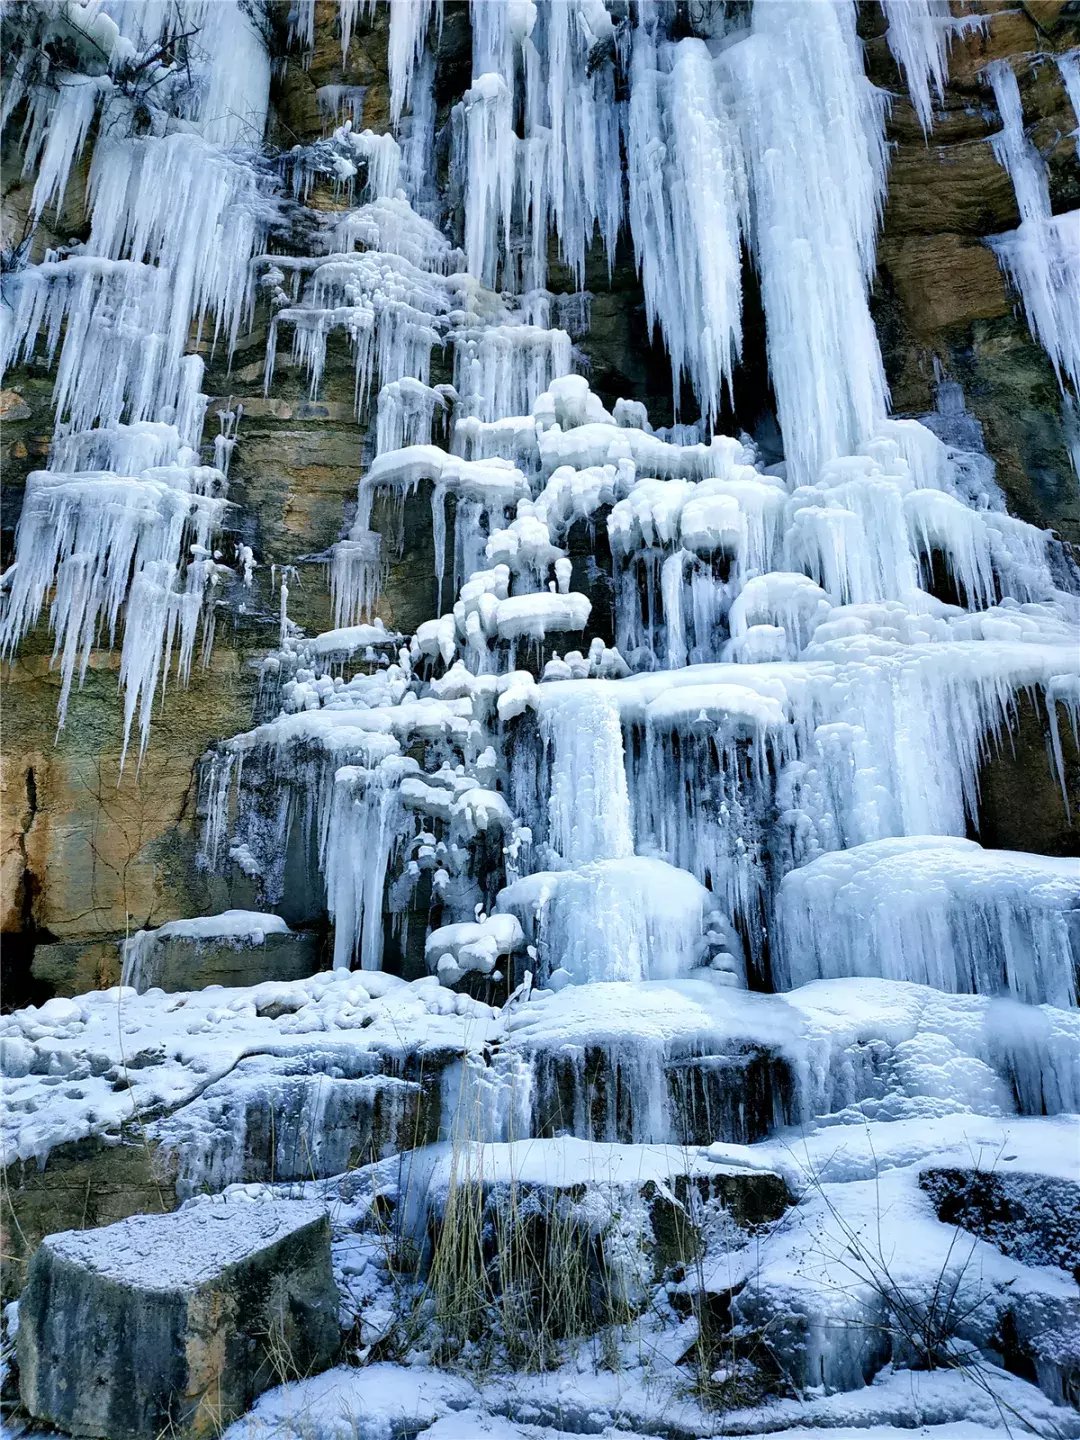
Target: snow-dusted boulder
<point>240,947</point>
<point>175,1323</point>
<point>1035,1218</point>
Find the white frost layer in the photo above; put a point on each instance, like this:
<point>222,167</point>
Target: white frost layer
<point>940,911</point>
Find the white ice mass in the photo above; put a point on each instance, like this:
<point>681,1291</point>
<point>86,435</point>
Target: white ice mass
<point>685,875</point>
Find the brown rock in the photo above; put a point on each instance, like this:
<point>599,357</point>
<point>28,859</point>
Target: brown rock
<point>13,406</point>
<point>943,280</point>
<point>958,188</point>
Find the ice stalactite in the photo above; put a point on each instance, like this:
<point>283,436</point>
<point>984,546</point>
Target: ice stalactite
<point>124,521</point>
<point>102,541</point>
<point>1042,256</point>
<point>918,36</point>
<point>409,20</point>
<point>813,132</point>
<point>687,211</point>
<point>562,174</point>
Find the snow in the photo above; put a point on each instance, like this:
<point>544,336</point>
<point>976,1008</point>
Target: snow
<point>169,1048</point>
<point>933,1405</point>
<point>452,950</point>
<point>165,1253</point>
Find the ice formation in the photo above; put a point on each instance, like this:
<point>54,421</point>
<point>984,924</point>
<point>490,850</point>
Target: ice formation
<point>666,807</point>
<point>918,37</point>
<point>1042,256</point>
<point>175,217</point>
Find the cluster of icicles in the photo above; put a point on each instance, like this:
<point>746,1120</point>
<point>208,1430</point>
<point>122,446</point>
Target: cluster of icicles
<point>125,516</point>
<point>125,512</point>
<point>782,696</point>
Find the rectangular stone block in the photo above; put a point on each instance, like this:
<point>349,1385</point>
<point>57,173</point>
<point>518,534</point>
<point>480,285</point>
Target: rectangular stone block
<point>175,1323</point>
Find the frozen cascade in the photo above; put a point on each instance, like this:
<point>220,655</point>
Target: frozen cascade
<point>666,806</point>
<point>940,911</point>
<point>589,803</point>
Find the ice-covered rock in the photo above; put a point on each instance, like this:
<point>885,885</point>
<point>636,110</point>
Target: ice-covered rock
<point>174,1321</point>
<point>938,910</point>
<point>238,947</point>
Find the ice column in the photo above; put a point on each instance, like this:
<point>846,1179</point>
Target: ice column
<point>813,134</point>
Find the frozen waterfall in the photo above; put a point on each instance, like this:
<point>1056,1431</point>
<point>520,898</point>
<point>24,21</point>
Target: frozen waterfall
<point>658,836</point>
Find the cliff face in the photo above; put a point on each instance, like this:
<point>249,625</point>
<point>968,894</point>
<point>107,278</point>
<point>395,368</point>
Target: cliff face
<point>90,852</point>
<point>940,294</point>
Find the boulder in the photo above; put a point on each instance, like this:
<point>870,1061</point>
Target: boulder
<point>176,1322</point>
<point>240,947</point>
<point>1035,1218</point>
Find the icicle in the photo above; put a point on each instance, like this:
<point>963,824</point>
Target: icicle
<point>918,35</point>
<point>687,213</point>
<point>489,169</point>
<point>363,830</point>
<point>1042,256</point>
<point>409,20</point>
<point>1069,67</point>
<point>95,535</point>
<point>813,131</point>
<point>58,124</point>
